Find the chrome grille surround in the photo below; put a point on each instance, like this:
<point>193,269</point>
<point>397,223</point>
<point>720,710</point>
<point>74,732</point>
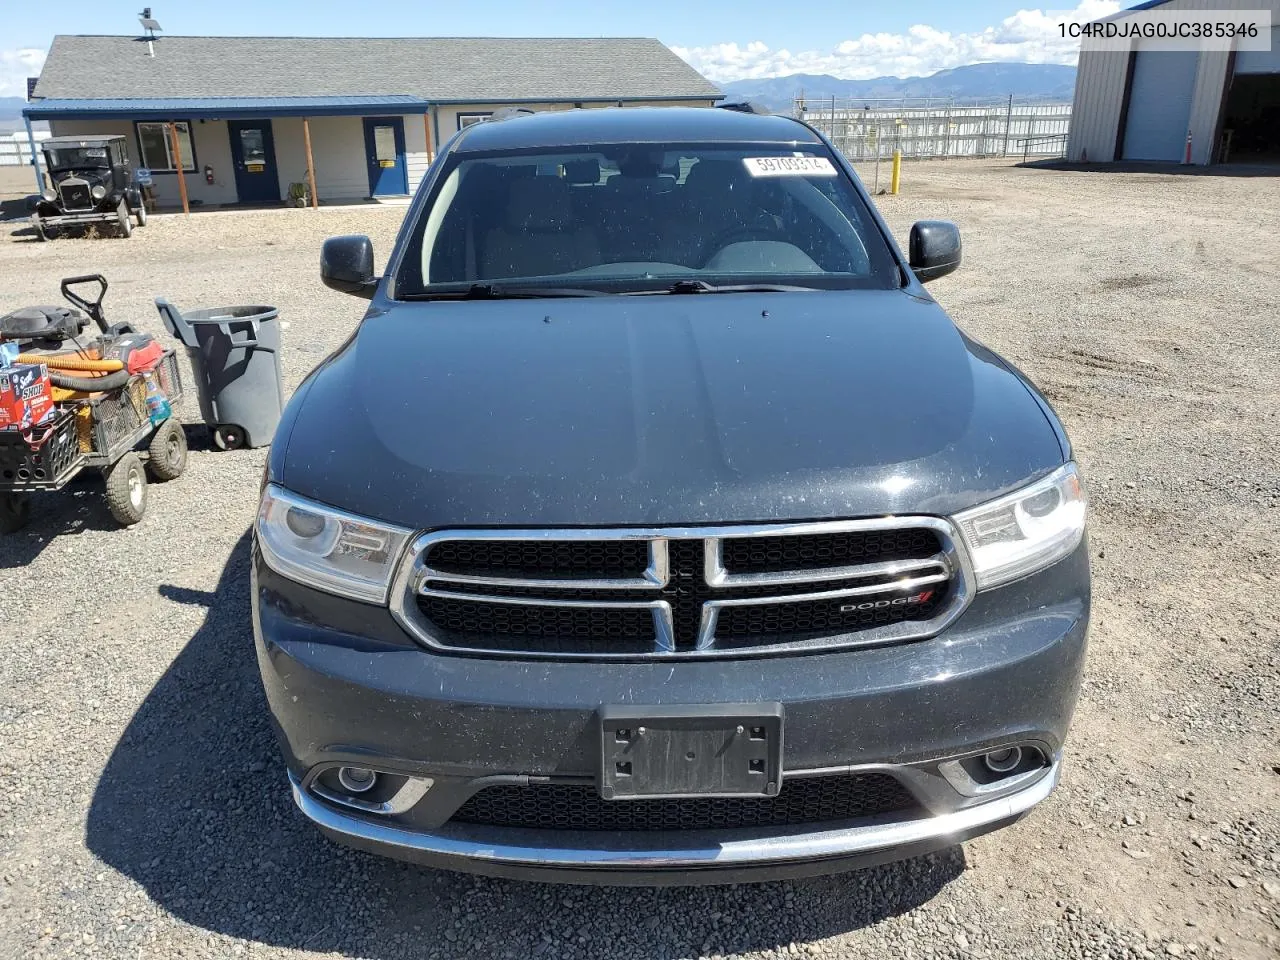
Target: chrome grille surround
<point>75,194</point>
<point>950,566</point>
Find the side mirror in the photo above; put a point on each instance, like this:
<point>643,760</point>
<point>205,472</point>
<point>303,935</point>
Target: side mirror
<point>935,249</point>
<point>346,265</point>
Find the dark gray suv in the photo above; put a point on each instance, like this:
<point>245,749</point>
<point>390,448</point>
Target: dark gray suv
<point>656,525</point>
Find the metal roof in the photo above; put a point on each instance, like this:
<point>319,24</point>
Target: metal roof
<point>210,107</point>
<point>80,141</point>
<point>438,69</point>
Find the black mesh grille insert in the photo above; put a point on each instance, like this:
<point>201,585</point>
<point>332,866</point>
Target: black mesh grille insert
<point>751,626</point>
<point>542,559</point>
<point>564,806</point>
<point>817,550</point>
<point>520,627</point>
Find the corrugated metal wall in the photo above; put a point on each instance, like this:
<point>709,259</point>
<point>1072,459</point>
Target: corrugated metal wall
<point>1100,88</point>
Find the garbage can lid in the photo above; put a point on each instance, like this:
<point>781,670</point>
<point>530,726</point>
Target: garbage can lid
<point>225,314</point>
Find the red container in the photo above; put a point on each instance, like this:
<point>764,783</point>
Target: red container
<point>26,396</point>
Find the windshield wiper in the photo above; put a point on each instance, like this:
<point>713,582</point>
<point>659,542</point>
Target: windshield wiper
<point>701,286</point>
<point>491,291</point>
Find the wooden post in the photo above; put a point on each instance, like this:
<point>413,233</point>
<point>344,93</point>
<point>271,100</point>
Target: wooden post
<point>178,163</point>
<point>426,128</point>
<point>311,164</point>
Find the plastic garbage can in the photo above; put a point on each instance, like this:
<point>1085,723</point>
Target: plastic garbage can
<point>235,355</point>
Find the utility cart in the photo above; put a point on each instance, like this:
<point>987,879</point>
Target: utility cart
<point>126,429</point>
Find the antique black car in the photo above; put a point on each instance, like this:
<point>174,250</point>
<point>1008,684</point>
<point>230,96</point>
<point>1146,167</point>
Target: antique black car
<point>90,181</point>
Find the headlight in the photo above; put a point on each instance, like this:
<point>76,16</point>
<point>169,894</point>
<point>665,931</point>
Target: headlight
<point>49,195</point>
<point>1027,530</point>
<point>98,192</point>
<point>327,548</point>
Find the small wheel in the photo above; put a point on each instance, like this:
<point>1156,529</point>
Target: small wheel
<point>168,452</point>
<point>141,214</point>
<point>127,489</point>
<point>228,436</point>
<point>15,511</point>
<point>123,221</point>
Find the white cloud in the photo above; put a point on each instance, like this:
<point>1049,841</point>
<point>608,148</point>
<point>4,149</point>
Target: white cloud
<point>16,66</point>
<point>1032,36</point>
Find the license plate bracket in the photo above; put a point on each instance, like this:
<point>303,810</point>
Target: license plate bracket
<point>716,750</point>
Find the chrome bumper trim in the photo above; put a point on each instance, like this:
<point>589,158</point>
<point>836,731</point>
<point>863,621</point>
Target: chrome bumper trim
<point>819,845</point>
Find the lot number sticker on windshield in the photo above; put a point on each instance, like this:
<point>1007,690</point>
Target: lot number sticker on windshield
<point>789,166</point>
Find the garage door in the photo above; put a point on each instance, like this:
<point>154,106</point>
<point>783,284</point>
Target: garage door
<point>1160,104</point>
<point>1261,61</point>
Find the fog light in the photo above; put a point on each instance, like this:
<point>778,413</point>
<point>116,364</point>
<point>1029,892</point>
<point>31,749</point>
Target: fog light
<point>356,779</point>
<point>1002,761</point>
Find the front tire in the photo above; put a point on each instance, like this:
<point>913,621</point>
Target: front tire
<point>42,234</point>
<point>122,220</point>
<point>127,489</point>
<point>167,452</point>
<point>141,214</point>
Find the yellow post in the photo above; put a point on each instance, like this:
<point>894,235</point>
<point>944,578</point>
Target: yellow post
<point>897,172</point>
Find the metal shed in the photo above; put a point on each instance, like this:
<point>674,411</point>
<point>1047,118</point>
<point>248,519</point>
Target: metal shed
<point>1149,104</point>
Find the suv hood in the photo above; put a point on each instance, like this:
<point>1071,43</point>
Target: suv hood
<point>661,410</point>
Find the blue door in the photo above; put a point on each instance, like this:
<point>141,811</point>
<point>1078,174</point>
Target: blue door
<point>384,147</point>
<point>253,154</point>
<point>1160,104</point>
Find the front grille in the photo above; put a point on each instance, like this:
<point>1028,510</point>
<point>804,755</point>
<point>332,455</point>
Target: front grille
<point>744,627</point>
<point>818,550</point>
<point>552,629</point>
<point>804,800</point>
<point>516,559</point>
<point>721,590</point>
<point>75,195</point>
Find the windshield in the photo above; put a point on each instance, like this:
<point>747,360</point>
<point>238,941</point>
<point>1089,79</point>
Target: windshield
<point>634,218</point>
<point>77,158</point>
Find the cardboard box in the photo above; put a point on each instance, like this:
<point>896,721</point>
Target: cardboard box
<point>26,396</point>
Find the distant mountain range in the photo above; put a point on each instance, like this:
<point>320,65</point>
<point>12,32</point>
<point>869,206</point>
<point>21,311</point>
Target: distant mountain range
<point>977,81</point>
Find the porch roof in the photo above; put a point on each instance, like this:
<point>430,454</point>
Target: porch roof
<point>183,108</point>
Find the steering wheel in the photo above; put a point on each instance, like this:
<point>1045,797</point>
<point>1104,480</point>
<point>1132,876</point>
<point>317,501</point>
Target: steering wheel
<point>738,235</point>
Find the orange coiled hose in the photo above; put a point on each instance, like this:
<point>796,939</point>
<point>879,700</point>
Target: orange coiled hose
<point>68,361</point>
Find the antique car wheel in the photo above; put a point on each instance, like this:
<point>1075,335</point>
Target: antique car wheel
<point>41,233</point>
<point>141,214</point>
<point>122,219</point>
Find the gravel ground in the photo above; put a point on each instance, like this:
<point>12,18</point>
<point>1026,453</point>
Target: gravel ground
<point>143,809</point>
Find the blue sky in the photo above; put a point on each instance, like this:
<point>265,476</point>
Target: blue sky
<point>725,39</point>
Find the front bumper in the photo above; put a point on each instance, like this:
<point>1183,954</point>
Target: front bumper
<point>346,685</point>
<point>691,858</point>
<point>61,219</point>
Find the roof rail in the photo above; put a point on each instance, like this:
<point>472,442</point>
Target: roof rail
<point>745,106</point>
<point>510,113</point>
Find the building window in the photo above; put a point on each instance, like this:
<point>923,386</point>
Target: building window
<point>467,119</point>
<point>155,146</point>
